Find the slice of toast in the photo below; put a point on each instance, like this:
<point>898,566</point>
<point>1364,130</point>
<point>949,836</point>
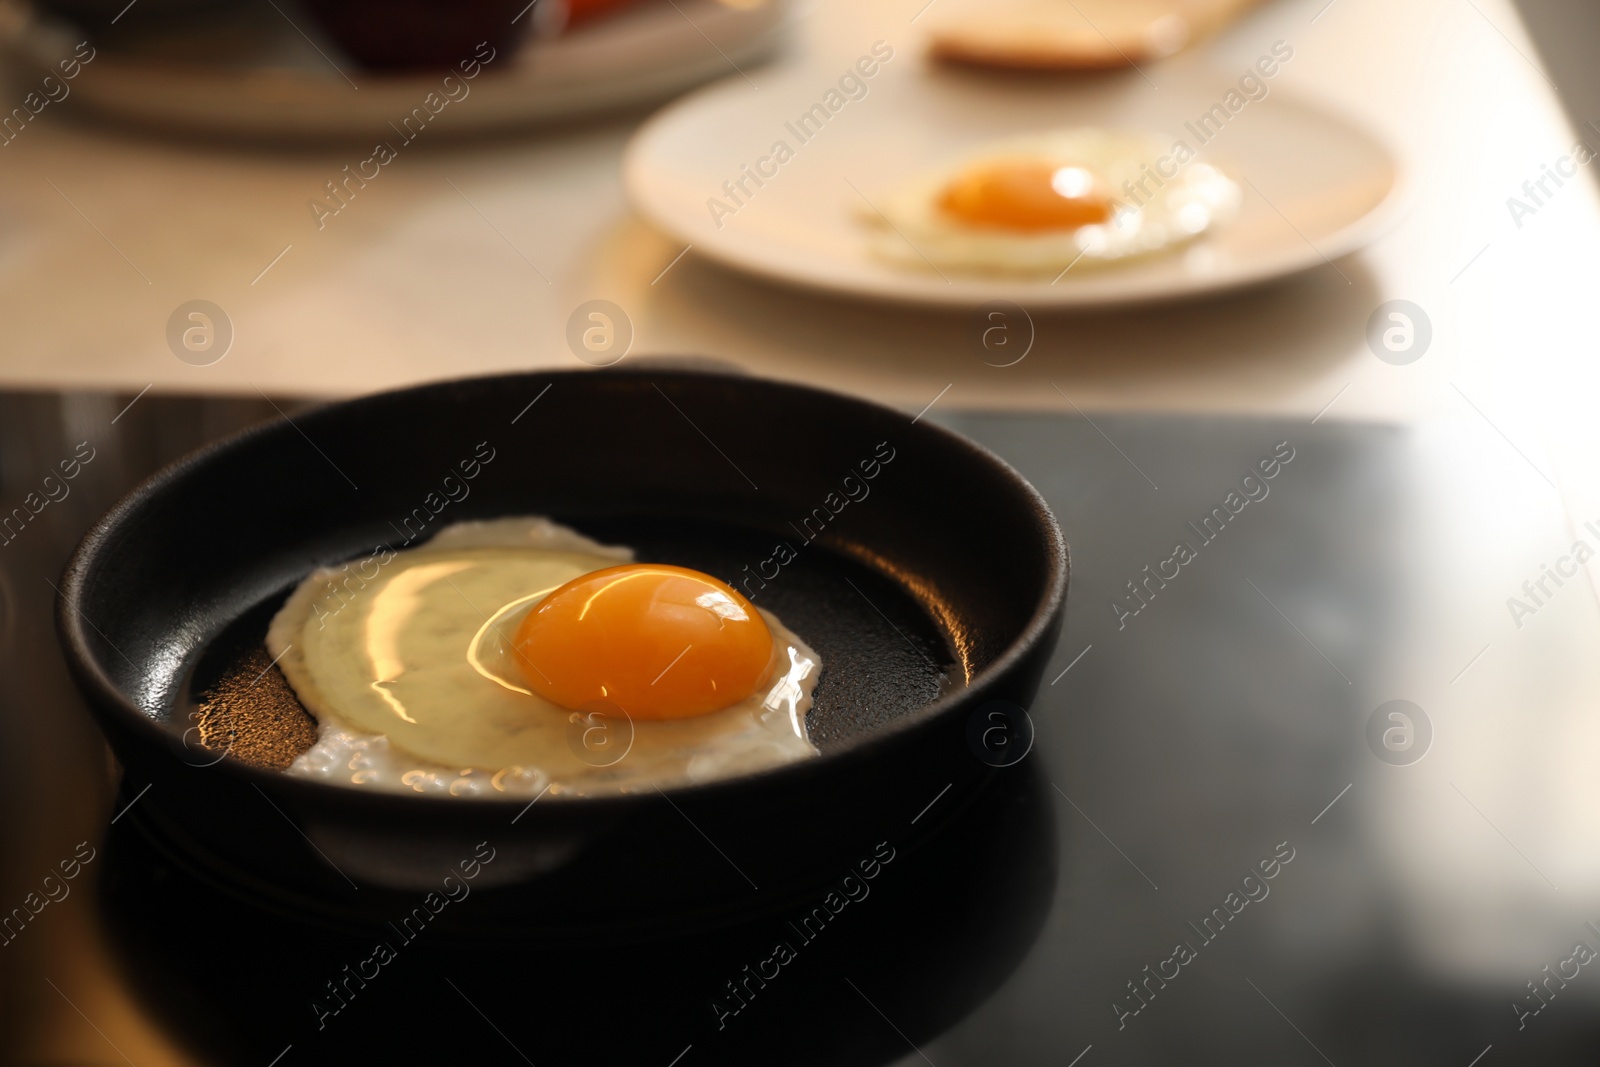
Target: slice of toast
<point>1071,34</point>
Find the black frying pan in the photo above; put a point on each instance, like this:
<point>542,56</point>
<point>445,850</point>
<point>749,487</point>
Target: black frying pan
<point>947,564</point>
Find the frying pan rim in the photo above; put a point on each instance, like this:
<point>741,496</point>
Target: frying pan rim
<point>108,699</point>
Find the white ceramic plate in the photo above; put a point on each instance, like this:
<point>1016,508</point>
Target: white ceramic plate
<point>252,72</point>
<point>1315,187</point>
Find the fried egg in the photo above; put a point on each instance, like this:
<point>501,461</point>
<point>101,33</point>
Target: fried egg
<point>516,655</point>
<point>1045,202</point>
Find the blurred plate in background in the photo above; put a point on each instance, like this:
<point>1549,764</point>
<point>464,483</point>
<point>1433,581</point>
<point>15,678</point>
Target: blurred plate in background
<point>1315,187</point>
<point>253,72</point>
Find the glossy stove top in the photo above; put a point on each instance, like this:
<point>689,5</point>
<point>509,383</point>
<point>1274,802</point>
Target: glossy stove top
<point>1306,786</point>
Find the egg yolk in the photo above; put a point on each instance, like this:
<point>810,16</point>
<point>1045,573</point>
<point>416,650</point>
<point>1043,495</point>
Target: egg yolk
<point>659,642</point>
<point>1027,195</point>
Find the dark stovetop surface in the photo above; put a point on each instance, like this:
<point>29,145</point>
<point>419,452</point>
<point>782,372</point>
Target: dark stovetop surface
<point>1099,904</point>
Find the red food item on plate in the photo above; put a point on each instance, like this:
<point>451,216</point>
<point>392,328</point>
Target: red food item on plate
<point>581,11</point>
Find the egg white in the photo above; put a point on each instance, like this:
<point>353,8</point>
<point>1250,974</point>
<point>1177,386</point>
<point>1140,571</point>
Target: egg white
<point>913,231</point>
<point>415,685</point>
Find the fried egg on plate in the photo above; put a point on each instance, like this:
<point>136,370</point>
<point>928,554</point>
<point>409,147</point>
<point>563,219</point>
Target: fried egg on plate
<point>515,655</point>
<point>1045,202</point>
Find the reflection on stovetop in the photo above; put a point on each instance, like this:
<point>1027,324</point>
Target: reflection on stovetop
<point>1248,871</point>
<point>916,933</point>
<point>64,459</point>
